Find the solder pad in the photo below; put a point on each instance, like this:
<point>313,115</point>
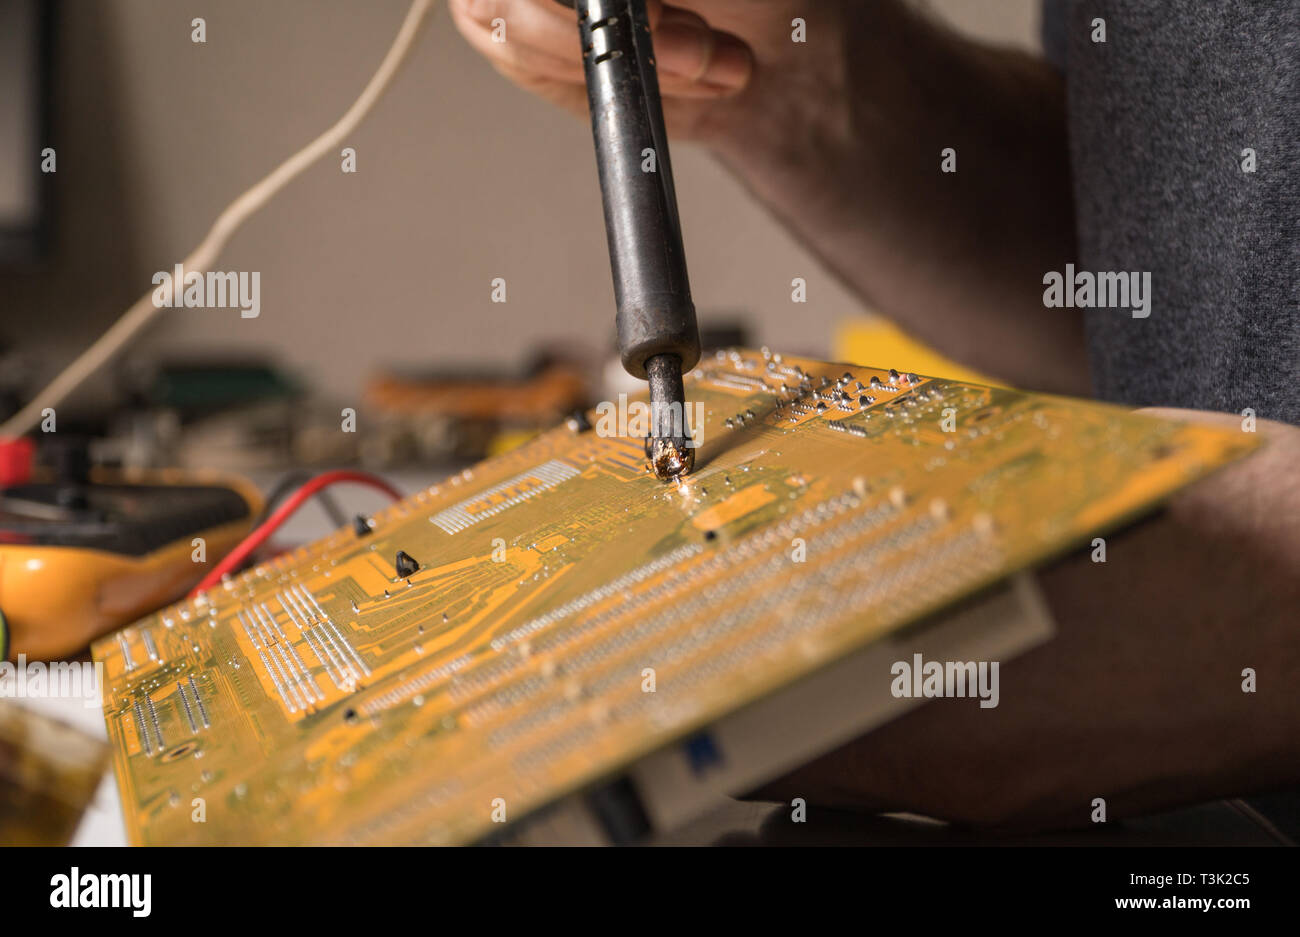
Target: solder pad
<point>319,698</point>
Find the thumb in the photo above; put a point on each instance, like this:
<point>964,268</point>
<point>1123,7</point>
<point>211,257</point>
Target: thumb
<point>692,57</point>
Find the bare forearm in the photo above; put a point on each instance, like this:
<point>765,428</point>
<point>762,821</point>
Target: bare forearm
<point>845,148</point>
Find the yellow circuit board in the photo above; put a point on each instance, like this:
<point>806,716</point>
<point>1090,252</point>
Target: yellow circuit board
<point>323,698</point>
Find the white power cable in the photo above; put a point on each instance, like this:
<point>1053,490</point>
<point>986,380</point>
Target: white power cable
<point>239,211</point>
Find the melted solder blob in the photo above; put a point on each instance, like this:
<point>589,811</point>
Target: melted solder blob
<point>669,458</point>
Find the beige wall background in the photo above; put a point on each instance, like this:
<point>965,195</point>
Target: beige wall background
<point>461,178</point>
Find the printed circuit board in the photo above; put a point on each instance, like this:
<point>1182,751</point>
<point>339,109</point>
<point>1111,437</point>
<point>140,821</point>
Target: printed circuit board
<point>562,613</point>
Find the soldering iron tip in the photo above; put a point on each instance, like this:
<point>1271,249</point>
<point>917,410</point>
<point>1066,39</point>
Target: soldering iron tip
<point>669,458</point>
<point>669,446</point>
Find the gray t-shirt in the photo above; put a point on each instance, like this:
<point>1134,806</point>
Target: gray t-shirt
<point>1163,116</point>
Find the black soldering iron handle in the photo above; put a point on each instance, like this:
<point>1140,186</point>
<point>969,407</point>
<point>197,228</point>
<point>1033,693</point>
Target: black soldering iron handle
<point>655,312</point>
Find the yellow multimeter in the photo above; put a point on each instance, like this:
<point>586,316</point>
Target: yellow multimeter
<point>79,560</point>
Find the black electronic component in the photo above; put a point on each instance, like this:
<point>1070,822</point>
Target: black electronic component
<point>578,421</point>
<point>620,812</point>
<point>406,565</point>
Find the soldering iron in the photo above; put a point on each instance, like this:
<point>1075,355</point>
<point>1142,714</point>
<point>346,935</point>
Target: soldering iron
<point>657,334</point>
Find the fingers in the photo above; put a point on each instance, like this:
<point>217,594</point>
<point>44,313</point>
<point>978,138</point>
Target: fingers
<point>535,38</point>
<point>697,61</point>
<point>570,95</point>
<point>535,44</point>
